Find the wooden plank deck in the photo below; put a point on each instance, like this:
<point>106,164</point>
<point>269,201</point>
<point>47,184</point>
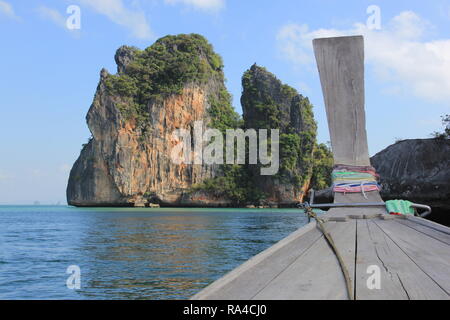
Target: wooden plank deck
<point>411,253</point>
<point>413,264</point>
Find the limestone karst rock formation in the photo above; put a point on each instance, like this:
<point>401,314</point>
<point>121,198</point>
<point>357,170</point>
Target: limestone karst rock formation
<point>170,85</point>
<point>270,104</point>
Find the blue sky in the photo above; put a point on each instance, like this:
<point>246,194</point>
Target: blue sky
<point>49,73</point>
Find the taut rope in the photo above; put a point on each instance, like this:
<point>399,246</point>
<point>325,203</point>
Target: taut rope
<point>320,223</point>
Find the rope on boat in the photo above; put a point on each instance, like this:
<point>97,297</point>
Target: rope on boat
<point>329,239</point>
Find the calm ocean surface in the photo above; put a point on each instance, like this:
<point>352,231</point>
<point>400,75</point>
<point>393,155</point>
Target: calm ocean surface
<point>127,253</point>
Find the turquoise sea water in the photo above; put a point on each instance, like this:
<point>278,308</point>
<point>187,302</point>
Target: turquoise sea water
<point>127,253</point>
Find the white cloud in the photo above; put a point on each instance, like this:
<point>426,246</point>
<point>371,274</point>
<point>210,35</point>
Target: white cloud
<point>397,53</point>
<point>65,168</point>
<point>134,20</point>
<point>304,88</point>
<point>429,123</point>
<point>293,40</point>
<point>408,25</point>
<point>6,9</point>
<point>37,173</point>
<point>52,15</point>
<point>3,176</point>
<point>206,5</point>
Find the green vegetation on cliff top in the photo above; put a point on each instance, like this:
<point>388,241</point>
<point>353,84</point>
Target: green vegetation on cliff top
<point>165,68</point>
<point>274,105</point>
<point>446,133</point>
<point>323,165</point>
<point>171,62</point>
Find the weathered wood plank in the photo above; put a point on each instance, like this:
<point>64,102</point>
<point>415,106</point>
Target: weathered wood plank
<point>317,274</point>
<point>430,255</point>
<point>375,248</point>
<point>400,278</point>
<point>430,224</point>
<point>433,233</point>
<point>372,196</point>
<point>252,280</point>
<point>340,62</point>
<point>249,278</point>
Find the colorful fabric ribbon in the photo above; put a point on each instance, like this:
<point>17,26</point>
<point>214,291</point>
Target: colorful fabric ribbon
<point>354,179</point>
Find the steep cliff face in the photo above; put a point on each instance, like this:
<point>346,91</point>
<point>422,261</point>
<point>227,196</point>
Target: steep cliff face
<point>168,86</point>
<point>269,104</point>
<point>417,170</point>
<point>171,85</point>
